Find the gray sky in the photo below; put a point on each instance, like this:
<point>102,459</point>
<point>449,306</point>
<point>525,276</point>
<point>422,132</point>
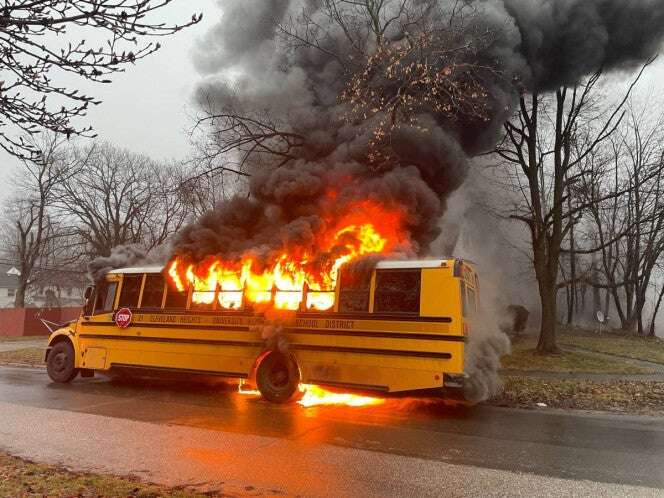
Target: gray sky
<point>145,109</point>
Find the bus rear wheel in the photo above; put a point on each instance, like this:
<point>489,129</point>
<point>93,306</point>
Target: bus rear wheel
<point>278,378</point>
<point>60,364</point>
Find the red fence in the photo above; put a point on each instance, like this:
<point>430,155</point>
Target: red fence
<point>25,321</point>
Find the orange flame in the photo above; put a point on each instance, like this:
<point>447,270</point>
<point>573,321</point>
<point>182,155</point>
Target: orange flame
<point>317,396</point>
<point>313,395</point>
<point>368,228</point>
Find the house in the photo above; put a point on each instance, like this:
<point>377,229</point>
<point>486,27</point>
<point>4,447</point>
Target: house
<point>44,296</point>
<point>8,285</point>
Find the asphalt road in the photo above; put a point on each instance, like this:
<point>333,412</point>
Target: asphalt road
<point>540,445</point>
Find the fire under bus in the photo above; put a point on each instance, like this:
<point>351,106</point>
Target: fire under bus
<point>399,329</point>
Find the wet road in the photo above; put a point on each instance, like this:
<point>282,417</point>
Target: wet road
<point>597,448</point>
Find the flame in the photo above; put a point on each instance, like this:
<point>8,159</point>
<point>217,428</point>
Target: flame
<point>248,391</point>
<point>314,395</point>
<point>367,228</point>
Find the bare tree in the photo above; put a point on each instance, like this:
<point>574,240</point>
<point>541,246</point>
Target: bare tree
<point>630,228</point>
<point>34,236</point>
<point>547,143</point>
<point>116,197</point>
<point>30,97</point>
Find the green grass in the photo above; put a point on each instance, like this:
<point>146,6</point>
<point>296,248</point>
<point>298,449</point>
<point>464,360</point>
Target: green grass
<point>26,356</point>
<point>646,398</point>
<point>23,479</point>
<point>523,358</point>
<point>630,347</point>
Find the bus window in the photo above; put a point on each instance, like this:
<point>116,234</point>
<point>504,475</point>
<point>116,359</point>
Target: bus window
<point>397,291</point>
<point>354,292</point>
<point>203,299</point>
<point>230,299</point>
<point>105,297</point>
<point>131,288</point>
<point>153,291</point>
<point>175,300</point>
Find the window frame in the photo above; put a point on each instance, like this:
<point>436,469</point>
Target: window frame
<point>107,285</point>
<point>144,287</point>
<point>377,291</point>
<point>131,276</point>
<point>170,288</point>
<point>343,289</point>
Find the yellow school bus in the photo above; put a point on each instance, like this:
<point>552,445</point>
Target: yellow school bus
<point>400,327</point>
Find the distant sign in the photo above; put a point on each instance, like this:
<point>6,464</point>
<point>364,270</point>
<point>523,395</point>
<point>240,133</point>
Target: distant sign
<point>123,318</point>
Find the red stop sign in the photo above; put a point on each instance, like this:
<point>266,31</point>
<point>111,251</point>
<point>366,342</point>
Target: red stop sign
<point>123,318</point>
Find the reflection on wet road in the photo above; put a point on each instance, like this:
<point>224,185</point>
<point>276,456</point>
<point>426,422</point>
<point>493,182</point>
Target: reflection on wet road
<point>601,448</point>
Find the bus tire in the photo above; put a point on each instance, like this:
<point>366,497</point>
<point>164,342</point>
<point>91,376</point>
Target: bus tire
<point>60,364</point>
<point>278,378</point>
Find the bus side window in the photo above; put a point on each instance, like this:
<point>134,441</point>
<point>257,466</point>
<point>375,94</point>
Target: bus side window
<point>153,291</point>
<point>175,300</point>
<point>105,297</point>
<point>131,289</point>
<point>397,291</point>
<point>354,292</point>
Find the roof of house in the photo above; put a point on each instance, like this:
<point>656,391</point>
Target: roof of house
<point>7,281</point>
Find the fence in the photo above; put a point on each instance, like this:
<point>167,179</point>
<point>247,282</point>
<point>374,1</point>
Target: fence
<point>25,321</point>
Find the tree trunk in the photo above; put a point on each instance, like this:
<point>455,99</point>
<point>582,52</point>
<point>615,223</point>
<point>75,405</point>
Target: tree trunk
<point>651,328</point>
<point>548,299</point>
<point>19,298</point>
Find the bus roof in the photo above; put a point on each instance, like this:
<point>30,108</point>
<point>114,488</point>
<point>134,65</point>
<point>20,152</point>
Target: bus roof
<point>383,265</point>
<point>139,269</point>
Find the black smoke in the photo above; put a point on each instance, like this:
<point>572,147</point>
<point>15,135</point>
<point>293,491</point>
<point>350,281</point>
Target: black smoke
<point>256,70</point>
<point>563,41</point>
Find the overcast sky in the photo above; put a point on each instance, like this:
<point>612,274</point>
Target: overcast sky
<point>145,109</point>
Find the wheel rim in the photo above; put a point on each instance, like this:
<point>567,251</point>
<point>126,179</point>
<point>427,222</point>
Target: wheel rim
<point>279,376</point>
<point>60,362</point>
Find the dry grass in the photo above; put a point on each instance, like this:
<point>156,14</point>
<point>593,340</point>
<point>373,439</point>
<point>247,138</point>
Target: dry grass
<point>23,479</point>
<point>27,356</point>
<point>626,346</point>
<point>11,338</point>
<point>645,398</point>
<point>523,358</point>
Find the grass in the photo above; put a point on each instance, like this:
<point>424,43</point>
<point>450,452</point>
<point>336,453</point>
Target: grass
<point>23,479</point>
<point>630,347</point>
<point>26,356</point>
<point>10,338</point>
<point>645,398</point>
<point>523,358</point>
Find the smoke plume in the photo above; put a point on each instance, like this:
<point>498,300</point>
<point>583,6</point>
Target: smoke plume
<point>278,69</point>
<point>120,257</point>
<point>286,63</point>
<point>486,345</point>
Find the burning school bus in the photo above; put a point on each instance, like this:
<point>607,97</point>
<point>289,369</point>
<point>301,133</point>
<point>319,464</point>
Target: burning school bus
<point>400,327</point>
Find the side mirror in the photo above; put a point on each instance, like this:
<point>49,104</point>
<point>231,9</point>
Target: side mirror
<point>88,292</point>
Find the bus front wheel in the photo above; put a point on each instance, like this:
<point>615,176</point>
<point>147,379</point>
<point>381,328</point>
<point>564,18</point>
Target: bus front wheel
<point>278,378</point>
<point>60,364</point>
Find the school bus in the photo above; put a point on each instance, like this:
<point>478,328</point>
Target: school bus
<point>402,327</point>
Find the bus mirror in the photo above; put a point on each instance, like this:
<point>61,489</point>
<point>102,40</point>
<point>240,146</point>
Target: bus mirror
<point>88,292</point>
